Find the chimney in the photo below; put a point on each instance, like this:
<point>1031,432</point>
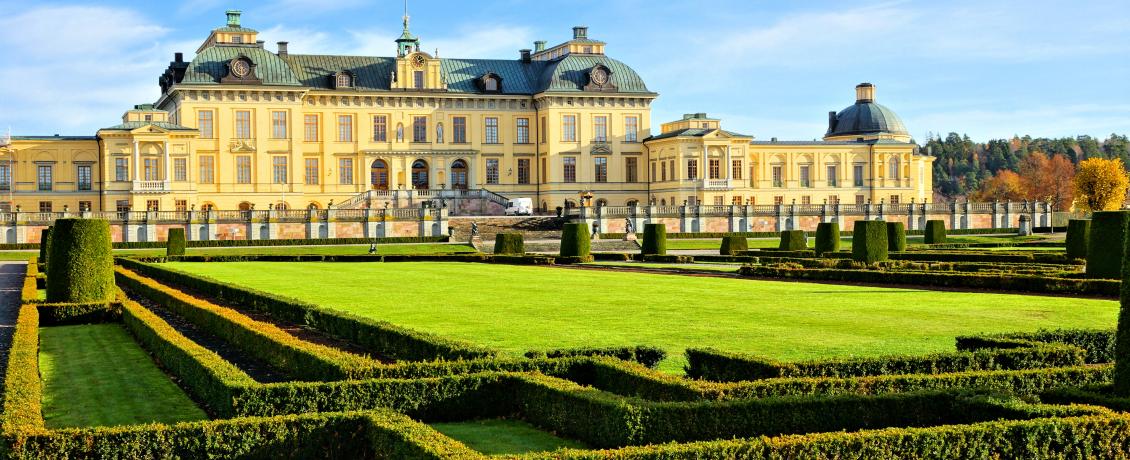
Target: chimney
<point>178,57</point>
<point>539,46</point>
<point>525,53</point>
<point>831,121</point>
<point>233,18</point>
<point>282,48</point>
<point>864,92</point>
<point>259,43</point>
<point>580,32</point>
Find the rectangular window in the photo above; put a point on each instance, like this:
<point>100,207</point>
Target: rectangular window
<point>631,169</point>
<point>45,206</point>
<point>523,171</point>
<point>652,177</point>
<point>833,199</point>
<point>492,171</point>
<point>736,170</point>
<point>631,129</point>
<point>860,199</point>
<point>5,177</point>
<point>380,128</point>
<point>419,129</point>
<point>84,206</point>
<point>180,205</point>
<point>311,171</point>
<point>600,128</point>
<point>570,169</point>
<point>778,200</point>
<point>84,177</point>
<point>180,169</point>
<point>204,124</point>
<point>523,131</point>
<point>806,199</point>
<point>541,129</point>
<point>692,169</point>
<point>243,124</point>
<point>278,169</point>
<point>857,175</point>
<point>207,170</point>
<point>345,128</point>
<point>418,79</point>
<point>663,169</point>
<point>121,205</point>
<point>715,168</point>
<point>345,171</point>
<point>243,169</point>
<point>153,205</point>
<point>543,172</point>
<point>894,199</point>
<point>600,167</point>
<point>833,181</point>
<point>121,169</point>
<point>152,169</point>
<point>310,128</point>
<point>490,132</point>
<point>278,124</point>
<point>736,200</point>
<point>805,175</point>
<point>568,128</point>
<point>459,130</point>
<point>778,176</point>
<point>719,200</point>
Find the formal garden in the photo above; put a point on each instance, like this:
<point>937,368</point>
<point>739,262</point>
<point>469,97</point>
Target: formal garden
<point>869,342</point>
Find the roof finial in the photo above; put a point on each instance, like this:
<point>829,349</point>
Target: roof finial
<point>405,16</point>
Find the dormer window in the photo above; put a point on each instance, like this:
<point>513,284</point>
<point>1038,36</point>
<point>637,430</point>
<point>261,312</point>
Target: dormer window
<point>149,118</point>
<point>490,83</point>
<point>344,80</point>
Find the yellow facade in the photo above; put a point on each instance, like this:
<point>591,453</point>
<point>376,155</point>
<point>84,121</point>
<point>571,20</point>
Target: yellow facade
<point>242,127</point>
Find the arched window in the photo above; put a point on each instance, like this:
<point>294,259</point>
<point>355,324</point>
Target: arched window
<point>207,206</point>
<point>244,206</point>
<point>439,133</point>
<point>632,203</point>
<point>378,175</point>
<point>313,205</point>
<point>420,175</point>
<point>490,84</point>
<point>459,175</point>
<point>601,202</point>
<point>893,168</point>
<point>344,80</point>
<point>282,206</point>
<point>400,132</point>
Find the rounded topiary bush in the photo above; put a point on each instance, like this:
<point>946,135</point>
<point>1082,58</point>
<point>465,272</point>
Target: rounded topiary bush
<point>81,262</point>
<point>827,238</point>
<point>175,243</point>
<point>793,240</point>
<point>935,232</point>
<point>733,245</point>
<point>1105,244</point>
<point>575,240</point>
<point>869,241</point>
<point>1078,236</point>
<point>509,243</point>
<point>654,240</point>
<point>44,244</point>
<point>896,237</point>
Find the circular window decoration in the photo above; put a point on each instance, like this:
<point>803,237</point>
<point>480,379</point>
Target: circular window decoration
<point>240,68</point>
<point>599,76</point>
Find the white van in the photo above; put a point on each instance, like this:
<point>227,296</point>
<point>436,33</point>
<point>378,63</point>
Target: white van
<point>520,207</point>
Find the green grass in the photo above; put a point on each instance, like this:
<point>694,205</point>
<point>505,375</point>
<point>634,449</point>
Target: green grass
<point>726,267</point>
<point>96,375</point>
<point>504,437</point>
<point>420,248</point>
<point>519,308</point>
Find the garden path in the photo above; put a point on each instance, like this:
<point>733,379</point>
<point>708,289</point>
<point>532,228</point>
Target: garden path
<point>11,281</point>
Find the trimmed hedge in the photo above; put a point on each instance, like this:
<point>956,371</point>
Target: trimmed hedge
<point>175,243</point>
<point>1097,343</point>
<point>81,264</point>
<point>733,245</point>
<point>935,232</point>
<point>58,314</point>
<point>896,237</point>
<point>1105,244</point>
<point>869,241</point>
<point>45,244</point>
<point>1078,238</point>
<point>23,389</point>
<point>654,240</point>
<point>646,355</point>
<point>575,240</point>
<point>827,238</point>
<point>1122,333</point>
<point>793,240</point>
<point>509,243</point>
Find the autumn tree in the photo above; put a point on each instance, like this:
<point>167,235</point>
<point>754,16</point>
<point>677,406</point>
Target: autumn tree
<point>1004,186</point>
<point>1100,184</point>
<point>1048,179</point>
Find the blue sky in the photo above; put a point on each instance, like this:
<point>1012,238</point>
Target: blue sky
<point>989,68</point>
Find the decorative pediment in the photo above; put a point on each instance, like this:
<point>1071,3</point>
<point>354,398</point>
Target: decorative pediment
<point>242,145</point>
<point>241,71</point>
<point>600,79</point>
<point>601,148</point>
<point>149,129</point>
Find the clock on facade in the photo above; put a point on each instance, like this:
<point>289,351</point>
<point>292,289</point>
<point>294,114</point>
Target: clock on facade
<point>418,61</point>
<point>240,68</point>
<point>599,76</point>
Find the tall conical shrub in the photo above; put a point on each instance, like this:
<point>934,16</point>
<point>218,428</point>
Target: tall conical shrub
<point>1078,236</point>
<point>896,237</point>
<point>175,243</point>
<point>575,240</point>
<point>654,240</point>
<point>1104,248</point>
<point>827,238</point>
<point>869,241</point>
<point>81,263</point>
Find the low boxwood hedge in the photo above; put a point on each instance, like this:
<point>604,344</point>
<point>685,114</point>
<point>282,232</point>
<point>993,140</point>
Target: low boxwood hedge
<point>509,243</point>
<point>646,355</point>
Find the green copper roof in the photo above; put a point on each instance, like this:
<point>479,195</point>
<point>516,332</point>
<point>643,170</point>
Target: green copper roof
<point>132,125</point>
<point>571,73</point>
<point>208,67</point>
<point>316,71</point>
<point>517,77</point>
<point>236,30</point>
<point>693,132</point>
<point>866,118</point>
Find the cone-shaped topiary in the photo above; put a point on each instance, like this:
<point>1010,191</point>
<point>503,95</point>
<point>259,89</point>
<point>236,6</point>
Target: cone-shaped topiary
<point>44,245</point>
<point>509,243</point>
<point>869,241</point>
<point>1122,334</point>
<point>793,240</point>
<point>827,237</point>
<point>575,240</point>
<point>1078,236</point>
<point>935,232</point>
<point>733,245</point>
<point>654,240</point>
<point>81,263</point>
<point>896,237</point>
<point>1104,245</point>
<point>175,243</point>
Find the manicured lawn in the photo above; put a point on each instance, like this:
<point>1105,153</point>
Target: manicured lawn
<point>96,375</point>
<point>504,437</point>
<point>518,308</point>
<point>421,248</point>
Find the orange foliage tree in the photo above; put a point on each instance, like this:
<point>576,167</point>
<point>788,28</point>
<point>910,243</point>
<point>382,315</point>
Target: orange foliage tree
<point>1004,186</point>
<point>1100,185</point>
<point>1048,179</point>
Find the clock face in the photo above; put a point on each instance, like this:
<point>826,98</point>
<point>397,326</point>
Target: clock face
<point>599,76</point>
<point>418,61</point>
<point>240,68</point>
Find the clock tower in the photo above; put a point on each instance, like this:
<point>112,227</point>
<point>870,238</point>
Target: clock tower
<point>407,43</point>
<point>415,69</point>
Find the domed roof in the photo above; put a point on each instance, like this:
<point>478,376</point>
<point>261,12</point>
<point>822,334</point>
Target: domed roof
<point>865,117</point>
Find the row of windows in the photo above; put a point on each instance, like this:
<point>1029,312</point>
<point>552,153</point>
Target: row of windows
<point>45,177</point>
<point>205,124</point>
<point>600,169</point>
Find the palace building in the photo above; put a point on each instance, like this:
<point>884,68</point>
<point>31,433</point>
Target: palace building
<point>240,126</point>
